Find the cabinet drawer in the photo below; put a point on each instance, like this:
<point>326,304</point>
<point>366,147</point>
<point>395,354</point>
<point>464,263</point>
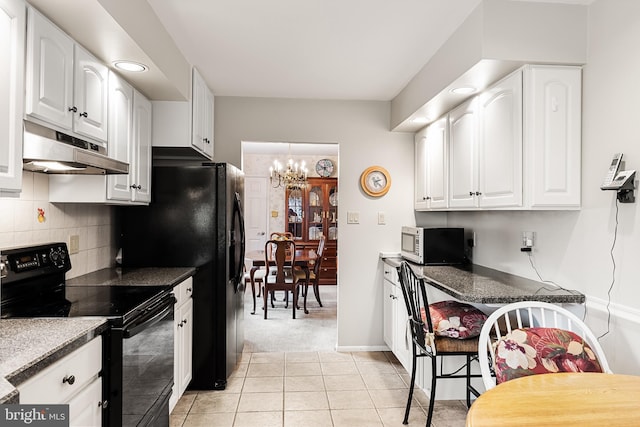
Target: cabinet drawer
<point>83,365</point>
<point>391,274</point>
<point>183,291</point>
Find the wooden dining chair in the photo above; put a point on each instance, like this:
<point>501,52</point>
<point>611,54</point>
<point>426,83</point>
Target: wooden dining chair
<point>314,274</point>
<point>533,337</point>
<point>280,255</point>
<point>281,235</point>
<point>428,341</point>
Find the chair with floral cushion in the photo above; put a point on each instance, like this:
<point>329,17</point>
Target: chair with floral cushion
<point>447,328</point>
<point>531,337</point>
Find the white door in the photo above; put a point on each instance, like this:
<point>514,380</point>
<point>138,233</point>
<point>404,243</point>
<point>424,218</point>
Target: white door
<point>255,212</point>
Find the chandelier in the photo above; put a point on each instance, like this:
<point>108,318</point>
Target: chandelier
<point>293,177</point>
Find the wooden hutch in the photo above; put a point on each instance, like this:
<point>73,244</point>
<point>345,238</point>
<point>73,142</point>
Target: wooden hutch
<point>312,211</point>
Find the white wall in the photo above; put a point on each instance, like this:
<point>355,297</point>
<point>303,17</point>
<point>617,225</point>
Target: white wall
<point>94,224</point>
<point>573,248</point>
<point>361,128</point>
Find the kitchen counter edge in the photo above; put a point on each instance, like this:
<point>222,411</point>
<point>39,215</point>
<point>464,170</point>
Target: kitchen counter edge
<point>483,285</point>
<point>31,345</point>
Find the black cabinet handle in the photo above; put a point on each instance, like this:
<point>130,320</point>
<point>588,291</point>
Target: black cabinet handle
<point>69,380</point>
<point>74,109</point>
<point>83,114</point>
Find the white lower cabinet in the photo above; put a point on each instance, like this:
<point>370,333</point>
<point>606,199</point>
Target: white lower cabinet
<point>397,335</point>
<point>74,380</point>
<point>183,340</point>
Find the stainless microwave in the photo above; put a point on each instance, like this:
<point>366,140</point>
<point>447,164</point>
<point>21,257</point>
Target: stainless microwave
<point>433,246</point>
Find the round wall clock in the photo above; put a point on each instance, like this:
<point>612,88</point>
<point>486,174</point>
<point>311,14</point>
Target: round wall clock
<point>375,181</point>
<point>324,167</point>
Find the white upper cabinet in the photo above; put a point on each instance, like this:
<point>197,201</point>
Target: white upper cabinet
<point>463,149</point>
<point>552,143</point>
<point>181,125</point>
<point>65,85</point>
<point>130,128</point>
<point>90,95</point>
<point>437,164</point>
<point>517,145</point>
<point>432,156</point>
<point>500,144</point>
<point>420,202</point>
<point>12,35</point>
<point>202,124</point>
<point>119,187</point>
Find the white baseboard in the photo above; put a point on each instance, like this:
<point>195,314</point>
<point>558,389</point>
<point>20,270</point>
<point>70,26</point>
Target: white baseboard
<point>349,348</point>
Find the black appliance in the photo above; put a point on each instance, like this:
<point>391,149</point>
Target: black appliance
<point>433,246</point>
<point>195,219</point>
<point>138,347</point>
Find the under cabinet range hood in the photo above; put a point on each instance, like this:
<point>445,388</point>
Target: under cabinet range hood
<point>49,151</point>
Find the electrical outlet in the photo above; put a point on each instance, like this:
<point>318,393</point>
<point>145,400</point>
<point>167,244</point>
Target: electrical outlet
<point>74,244</point>
<point>527,241</point>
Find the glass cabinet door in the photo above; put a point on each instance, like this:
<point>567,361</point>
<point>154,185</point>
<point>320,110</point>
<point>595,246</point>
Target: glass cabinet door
<point>316,211</point>
<point>332,212</point>
<point>295,215</point>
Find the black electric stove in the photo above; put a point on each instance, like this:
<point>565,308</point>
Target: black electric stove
<point>138,347</point>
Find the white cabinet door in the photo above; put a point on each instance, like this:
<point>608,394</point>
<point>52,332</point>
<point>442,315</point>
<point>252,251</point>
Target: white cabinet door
<point>389,314</point>
<point>120,136</point>
<point>463,165</point>
<point>208,122</point>
<point>437,164</point>
<point>420,180</point>
<point>553,100</point>
<point>142,117</point>
<point>86,408</point>
<point>90,95</point>
<point>186,345</point>
<point>49,73</point>
<point>500,143</point>
<point>12,34</point>
<point>198,107</point>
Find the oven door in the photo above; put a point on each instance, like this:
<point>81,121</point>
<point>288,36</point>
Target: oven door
<point>146,367</point>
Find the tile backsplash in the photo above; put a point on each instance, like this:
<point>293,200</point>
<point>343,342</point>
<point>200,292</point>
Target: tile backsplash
<point>29,219</point>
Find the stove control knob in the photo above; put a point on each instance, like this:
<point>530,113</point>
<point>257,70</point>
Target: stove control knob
<point>58,257</point>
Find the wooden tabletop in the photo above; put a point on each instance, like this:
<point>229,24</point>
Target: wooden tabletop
<point>562,399</point>
<point>303,256</point>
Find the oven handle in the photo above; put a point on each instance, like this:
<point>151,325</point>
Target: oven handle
<point>165,308</point>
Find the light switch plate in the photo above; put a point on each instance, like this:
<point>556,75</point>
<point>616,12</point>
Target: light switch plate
<point>381,219</point>
<point>353,217</point>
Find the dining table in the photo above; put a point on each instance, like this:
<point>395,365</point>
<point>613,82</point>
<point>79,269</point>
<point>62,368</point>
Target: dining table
<point>560,399</point>
<point>304,259</point>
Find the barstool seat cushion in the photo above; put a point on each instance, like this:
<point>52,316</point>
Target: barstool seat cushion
<point>455,319</point>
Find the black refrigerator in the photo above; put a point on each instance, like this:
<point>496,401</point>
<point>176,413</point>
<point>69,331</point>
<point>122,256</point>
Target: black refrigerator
<point>195,219</point>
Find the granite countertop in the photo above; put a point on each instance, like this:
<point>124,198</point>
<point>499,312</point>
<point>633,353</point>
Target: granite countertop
<point>27,346</point>
<point>148,276</point>
<point>478,284</point>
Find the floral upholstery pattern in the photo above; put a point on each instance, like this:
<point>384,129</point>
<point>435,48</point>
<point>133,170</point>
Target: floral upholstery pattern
<point>454,319</point>
<point>531,351</point>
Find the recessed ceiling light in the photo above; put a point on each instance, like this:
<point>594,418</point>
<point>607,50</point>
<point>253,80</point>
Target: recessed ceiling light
<point>463,90</point>
<point>134,67</point>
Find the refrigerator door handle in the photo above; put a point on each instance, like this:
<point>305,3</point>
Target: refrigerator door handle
<point>238,263</point>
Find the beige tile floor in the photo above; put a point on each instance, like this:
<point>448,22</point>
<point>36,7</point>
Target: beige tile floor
<point>314,389</point>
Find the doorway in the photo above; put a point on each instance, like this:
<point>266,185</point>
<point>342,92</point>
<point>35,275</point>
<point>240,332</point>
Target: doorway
<point>266,211</point>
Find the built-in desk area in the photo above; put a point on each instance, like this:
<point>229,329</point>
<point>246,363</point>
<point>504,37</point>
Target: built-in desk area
<point>477,284</point>
<point>480,286</point>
